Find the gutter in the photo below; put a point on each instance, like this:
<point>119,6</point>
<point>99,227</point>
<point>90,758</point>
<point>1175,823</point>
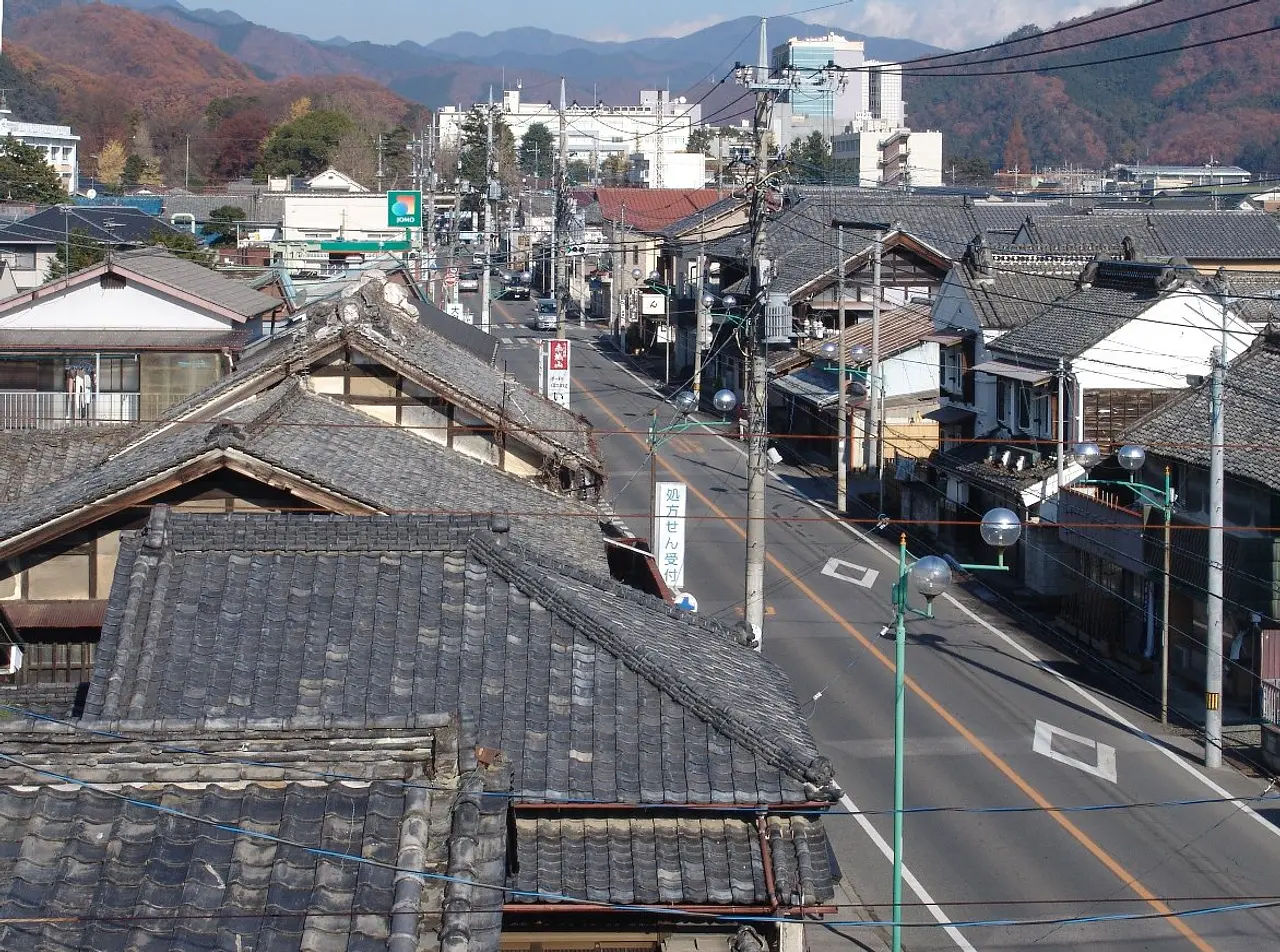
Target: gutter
<point>766,860</point>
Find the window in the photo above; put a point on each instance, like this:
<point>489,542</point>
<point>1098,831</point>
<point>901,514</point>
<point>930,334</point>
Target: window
<point>951,372</point>
<point>1023,395</point>
<point>118,375</point>
<point>1004,398</point>
<point>19,260</point>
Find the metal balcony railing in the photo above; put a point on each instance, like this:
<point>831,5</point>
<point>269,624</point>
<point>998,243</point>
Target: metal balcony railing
<point>34,410</point>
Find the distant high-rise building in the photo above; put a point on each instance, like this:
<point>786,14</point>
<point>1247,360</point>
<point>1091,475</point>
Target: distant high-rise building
<point>871,89</point>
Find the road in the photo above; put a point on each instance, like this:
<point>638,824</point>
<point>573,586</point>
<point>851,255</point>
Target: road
<point>991,724</point>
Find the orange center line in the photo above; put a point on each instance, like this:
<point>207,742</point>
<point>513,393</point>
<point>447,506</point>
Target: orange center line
<point>1127,879</point>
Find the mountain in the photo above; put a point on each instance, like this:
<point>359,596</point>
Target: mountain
<point>1185,106</point>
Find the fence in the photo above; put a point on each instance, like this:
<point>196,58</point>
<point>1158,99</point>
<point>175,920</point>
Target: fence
<point>31,410</point>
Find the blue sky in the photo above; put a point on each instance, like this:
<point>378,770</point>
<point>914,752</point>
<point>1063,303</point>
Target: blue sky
<point>950,23</point>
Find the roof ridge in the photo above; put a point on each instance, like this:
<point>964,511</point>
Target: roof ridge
<point>668,678</point>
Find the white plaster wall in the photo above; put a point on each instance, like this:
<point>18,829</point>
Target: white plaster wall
<point>912,371</point>
<point>133,307</point>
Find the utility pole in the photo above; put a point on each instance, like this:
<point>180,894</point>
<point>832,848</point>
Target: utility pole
<point>187,176</point>
<point>486,248</point>
<point>615,285</point>
<point>767,89</point>
<point>702,326</point>
<point>380,172</point>
<point>429,224</point>
<point>1062,426</point>
<point>1214,588</point>
<point>842,404</point>
<point>876,392</point>
<point>558,242</point>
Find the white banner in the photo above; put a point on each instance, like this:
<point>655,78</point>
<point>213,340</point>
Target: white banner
<point>558,371</point>
<point>669,501</point>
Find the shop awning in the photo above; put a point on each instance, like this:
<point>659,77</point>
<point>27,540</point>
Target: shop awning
<point>948,415</point>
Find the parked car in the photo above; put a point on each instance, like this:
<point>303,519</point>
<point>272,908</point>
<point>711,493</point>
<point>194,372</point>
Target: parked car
<point>544,314</point>
<point>470,281</point>
<point>516,292</point>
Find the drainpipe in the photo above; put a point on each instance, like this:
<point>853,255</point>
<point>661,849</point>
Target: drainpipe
<point>766,857</point>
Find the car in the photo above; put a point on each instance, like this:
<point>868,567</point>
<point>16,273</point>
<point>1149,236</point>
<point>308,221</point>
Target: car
<point>516,292</point>
<point>544,314</point>
<point>469,281</point>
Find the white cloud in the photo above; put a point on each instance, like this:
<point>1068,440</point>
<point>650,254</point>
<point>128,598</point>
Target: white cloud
<point>956,24</point>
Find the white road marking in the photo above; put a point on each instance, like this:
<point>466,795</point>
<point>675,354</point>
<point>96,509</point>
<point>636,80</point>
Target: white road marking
<point>908,877</point>
<point>862,577</point>
<point>1104,764</point>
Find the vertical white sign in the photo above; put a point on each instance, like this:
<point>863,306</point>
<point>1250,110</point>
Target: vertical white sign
<point>669,501</point>
<point>558,371</point>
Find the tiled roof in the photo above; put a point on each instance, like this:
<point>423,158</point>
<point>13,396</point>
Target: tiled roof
<point>980,465</point>
<point>720,861</point>
<point>116,340</point>
<point>113,225</point>
<point>1180,429</point>
<point>1015,289</point>
<point>595,691</point>
<point>201,206</point>
<point>652,209</point>
<point>387,332</point>
<point>901,328</point>
<point>1255,295</point>
<point>32,459</point>
<point>242,845</point>
<point>1229,235</point>
<point>1073,323</point>
<point>205,283</point>
<point>384,467</point>
<point>690,224</point>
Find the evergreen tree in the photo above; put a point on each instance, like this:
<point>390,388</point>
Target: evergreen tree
<point>84,252</point>
<point>537,151</point>
<point>305,145</point>
<point>26,176</point>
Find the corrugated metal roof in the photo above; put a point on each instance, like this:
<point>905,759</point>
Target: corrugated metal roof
<point>33,341</point>
<point>64,614</point>
<point>652,209</point>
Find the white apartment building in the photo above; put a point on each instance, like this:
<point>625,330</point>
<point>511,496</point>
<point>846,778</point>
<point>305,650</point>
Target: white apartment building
<point>60,146</point>
<point>881,154</point>
<point>670,170</point>
<point>593,133</point>
<point>871,89</point>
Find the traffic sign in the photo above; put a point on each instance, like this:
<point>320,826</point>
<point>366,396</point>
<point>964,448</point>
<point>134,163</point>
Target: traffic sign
<point>686,602</point>
<point>450,277</point>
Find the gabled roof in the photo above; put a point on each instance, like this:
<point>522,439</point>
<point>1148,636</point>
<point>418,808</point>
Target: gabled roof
<point>380,322</point>
<point>1239,235</point>
<point>32,459</point>
<point>250,834</point>
<point>115,225</point>
<point>1008,290</point>
<point>1180,429</point>
<point>652,209</point>
<point>162,271</point>
<point>595,691</point>
<point>705,217</point>
<point>318,449</point>
<point>1109,296</point>
<point>901,328</point>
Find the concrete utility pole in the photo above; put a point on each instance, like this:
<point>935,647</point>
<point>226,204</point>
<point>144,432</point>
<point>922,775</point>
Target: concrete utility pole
<point>876,394</point>
<point>486,247</point>
<point>429,223</point>
<point>1214,588</point>
<point>381,176</point>
<point>615,286</point>
<point>702,326</point>
<point>767,89</point>
<point>561,163</point>
<point>842,399</point>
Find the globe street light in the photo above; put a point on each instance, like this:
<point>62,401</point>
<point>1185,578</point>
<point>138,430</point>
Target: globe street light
<point>930,577</point>
<point>725,400</point>
<point>1132,458</point>
<point>686,401</point>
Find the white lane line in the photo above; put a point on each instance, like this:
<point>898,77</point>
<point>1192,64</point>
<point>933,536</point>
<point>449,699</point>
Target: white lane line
<point>846,801</point>
<point>908,877</point>
<point>1104,755</point>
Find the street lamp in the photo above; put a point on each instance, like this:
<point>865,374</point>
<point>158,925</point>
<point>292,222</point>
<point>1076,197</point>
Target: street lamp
<point>1132,458</point>
<point>686,401</point>
<point>930,576</point>
<point>653,282</point>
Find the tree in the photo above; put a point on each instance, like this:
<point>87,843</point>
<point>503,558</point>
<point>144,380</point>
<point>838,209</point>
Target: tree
<point>85,253</point>
<point>222,223</point>
<point>26,176</point>
<point>970,170</point>
<point>1017,155</point>
<point>699,141</point>
<point>356,155</point>
<point>537,150</point>
<point>183,244</point>
<point>578,172</point>
<point>299,108</point>
<point>614,169</point>
<point>472,145</point>
<point>304,146</point>
<point>111,162</point>
<point>133,170</point>
<point>238,142</point>
<point>811,157</point>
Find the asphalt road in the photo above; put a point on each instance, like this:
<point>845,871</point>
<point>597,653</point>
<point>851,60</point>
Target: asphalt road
<point>979,695</point>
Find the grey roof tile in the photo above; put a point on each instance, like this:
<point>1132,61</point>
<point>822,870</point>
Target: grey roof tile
<point>185,877</point>
<point>1180,429</point>
<point>205,283</point>
<point>714,721</point>
<point>32,459</point>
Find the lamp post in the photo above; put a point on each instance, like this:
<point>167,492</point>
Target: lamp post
<point>1131,459</point>
<point>652,281</point>
<point>702,331</point>
<point>831,350</point>
<point>686,401</point>
<point>931,576</point>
